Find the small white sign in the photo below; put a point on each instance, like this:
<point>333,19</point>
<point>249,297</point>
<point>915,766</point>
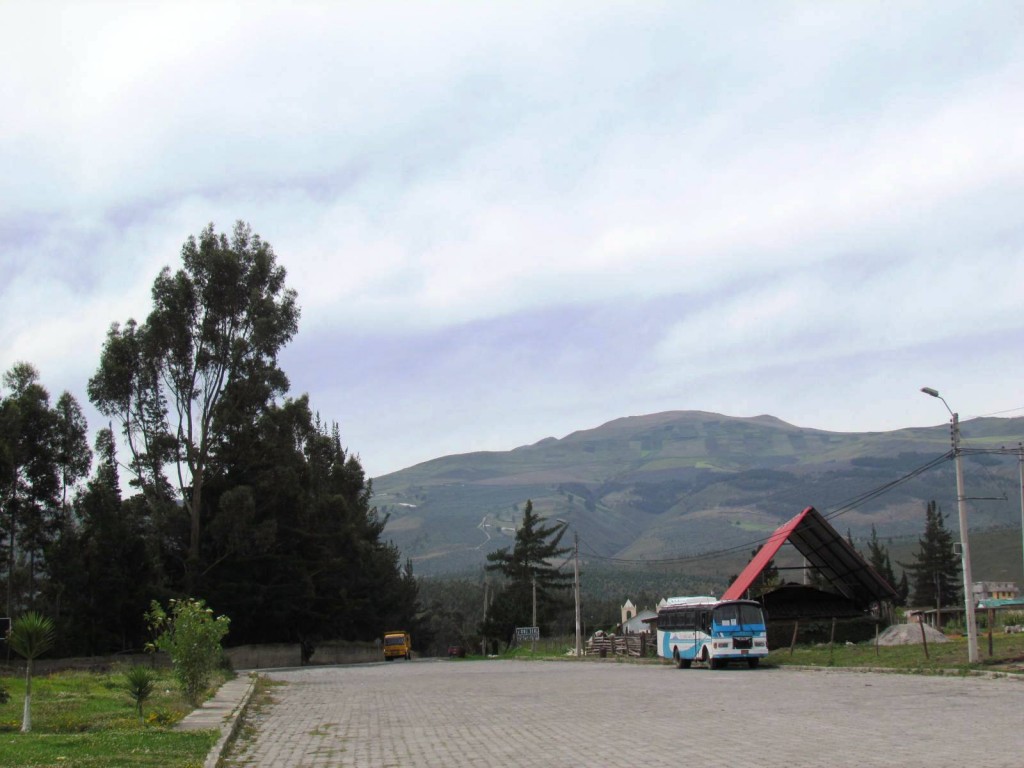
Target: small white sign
<point>527,633</point>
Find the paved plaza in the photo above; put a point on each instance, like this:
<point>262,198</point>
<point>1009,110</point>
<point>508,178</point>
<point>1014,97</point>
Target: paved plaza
<point>545,714</point>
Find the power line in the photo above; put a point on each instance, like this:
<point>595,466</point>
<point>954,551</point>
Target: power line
<point>886,487</point>
<point>843,508</point>
<point>998,413</point>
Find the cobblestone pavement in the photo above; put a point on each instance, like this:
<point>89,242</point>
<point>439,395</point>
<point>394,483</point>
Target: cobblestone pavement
<point>532,714</point>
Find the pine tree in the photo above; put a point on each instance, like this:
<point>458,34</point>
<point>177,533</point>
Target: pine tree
<point>526,566</point>
<point>935,572</point>
<point>902,590</point>
<point>878,558</point>
<point>30,483</point>
<point>107,573</point>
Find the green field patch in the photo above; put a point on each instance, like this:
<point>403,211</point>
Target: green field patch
<point>86,719</point>
<point>1007,655</point>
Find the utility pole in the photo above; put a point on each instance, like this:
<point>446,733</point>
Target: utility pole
<point>483,640</point>
<point>533,647</point>
<point>576,585</point>
<point>1020,469</point>
<point>965,547</point>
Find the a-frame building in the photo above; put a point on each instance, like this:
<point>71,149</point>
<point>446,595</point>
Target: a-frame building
<point>827,552</point>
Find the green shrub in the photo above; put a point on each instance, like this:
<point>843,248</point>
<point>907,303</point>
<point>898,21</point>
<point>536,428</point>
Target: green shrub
<point>190,634</point>
<point>138,682</point>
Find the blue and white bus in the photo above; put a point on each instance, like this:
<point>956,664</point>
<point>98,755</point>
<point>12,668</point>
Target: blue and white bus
<point>713,631</point>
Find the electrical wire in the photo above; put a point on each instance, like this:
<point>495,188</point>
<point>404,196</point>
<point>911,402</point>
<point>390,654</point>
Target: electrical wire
<point>998,413</point>
<point>842,509</point>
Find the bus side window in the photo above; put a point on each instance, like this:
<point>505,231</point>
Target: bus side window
<point>705,624</point>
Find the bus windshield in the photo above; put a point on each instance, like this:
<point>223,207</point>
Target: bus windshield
<point>737,615</point>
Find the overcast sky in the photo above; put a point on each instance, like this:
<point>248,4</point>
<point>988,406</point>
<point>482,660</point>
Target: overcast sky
<point>508,221</point>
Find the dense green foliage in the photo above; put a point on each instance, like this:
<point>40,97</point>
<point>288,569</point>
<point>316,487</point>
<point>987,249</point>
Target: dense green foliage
<point>878,558</point>
<point>935,570</point>
<point>204,360</point>
<point>236,492</point>
<point>453,610</point>
<point>293,546</point>
<point>43,453</point>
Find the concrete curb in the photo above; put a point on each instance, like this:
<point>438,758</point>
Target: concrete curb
<point>230,724</point>
<point>988,674</point>
<point>224,712</point>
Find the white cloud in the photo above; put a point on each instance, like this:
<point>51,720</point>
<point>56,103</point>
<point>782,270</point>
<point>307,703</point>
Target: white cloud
<point>741,187</point>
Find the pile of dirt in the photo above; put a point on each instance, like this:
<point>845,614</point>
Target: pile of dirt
<point>910,634</point>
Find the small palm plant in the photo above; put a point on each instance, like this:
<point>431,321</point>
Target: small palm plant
<point>31,636</point>
<point>139,681</point>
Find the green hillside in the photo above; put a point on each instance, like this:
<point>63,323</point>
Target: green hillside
<point>678,484</point>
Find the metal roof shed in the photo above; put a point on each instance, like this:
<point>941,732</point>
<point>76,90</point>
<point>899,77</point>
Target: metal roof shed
<point>826,551</point>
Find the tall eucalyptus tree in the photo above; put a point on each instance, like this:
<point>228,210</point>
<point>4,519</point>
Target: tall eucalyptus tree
<point>217,325</point>
<point>29,479</point>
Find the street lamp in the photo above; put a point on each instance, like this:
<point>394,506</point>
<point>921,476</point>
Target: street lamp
<point>576,584</point>
<point>965,547</point>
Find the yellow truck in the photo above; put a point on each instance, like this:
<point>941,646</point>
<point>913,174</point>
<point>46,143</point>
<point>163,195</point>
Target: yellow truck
<point>397,645</point>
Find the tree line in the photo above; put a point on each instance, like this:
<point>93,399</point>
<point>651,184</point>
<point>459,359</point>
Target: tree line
<point>528,584</point>
<point>210,479</point>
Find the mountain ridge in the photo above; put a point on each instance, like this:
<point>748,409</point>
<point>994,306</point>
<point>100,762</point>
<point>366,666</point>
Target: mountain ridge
<point>670,483</point>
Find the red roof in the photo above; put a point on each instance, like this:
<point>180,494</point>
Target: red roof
<point>825,550</point>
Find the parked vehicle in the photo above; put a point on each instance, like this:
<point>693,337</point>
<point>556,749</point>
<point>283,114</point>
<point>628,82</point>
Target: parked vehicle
<point>397,645</point>
<point>456,652</point>
<point>714,631</point>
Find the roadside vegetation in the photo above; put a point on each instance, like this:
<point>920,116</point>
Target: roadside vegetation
<point>123,717</point>
<point>1007,655</point>
<point>89,720</point>
<point>197,415</point>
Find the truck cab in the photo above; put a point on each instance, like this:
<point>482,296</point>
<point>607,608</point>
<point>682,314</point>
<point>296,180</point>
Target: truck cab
<point>397,645</point>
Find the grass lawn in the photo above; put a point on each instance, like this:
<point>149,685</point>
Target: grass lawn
<point>87,719</point>
<point>1007,655</point>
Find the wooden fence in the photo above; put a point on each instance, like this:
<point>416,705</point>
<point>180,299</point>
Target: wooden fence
<point>636,646</point>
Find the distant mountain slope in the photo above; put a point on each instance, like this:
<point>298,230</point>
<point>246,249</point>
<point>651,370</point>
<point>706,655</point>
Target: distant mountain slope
<point>683,482</point>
